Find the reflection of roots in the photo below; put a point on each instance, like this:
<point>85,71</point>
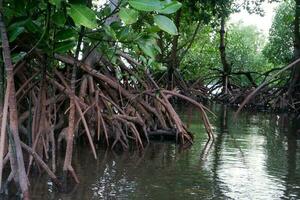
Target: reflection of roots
<point>206,150</point>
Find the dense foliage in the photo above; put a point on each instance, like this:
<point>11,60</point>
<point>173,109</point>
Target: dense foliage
<point>244,53</point>
<point>279,49</point>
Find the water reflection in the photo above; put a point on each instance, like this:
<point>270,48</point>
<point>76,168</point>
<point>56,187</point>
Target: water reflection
<point>255,161</point>
<point>241,166</point>
<point>256,157</point>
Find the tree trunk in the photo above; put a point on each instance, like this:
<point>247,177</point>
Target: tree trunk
<point>174,61</point>
<point>3,118</point>
<point>17,161</point>
<point>294,86</point>
<point>2,133</point>
<point>1,88</point>
<point>226,65</point>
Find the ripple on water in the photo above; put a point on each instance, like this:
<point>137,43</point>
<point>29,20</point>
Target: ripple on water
<point>251,159</point>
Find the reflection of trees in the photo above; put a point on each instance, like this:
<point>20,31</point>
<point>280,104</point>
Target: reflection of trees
<point>223,121</point>
<point>157,172</point>
<point>161,172</point>
<point>170,176</point>
<point>282,159</point>
<point>276,162</point>
<point>292,179</point>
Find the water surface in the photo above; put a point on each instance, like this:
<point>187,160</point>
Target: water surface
<point>255,157</point>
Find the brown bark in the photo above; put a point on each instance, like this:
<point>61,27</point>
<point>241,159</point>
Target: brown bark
<point>2,77</point>
<point>226,65</point>
<point>264,84</point>
<point>3,131</point>
<point>76,103</point>
<point>140,104</point>
<point>2,123</point>
<point>181,129</point>
<point>41,128</point>
<point>13,115</point>
<point>71,127</point>
<point>40,161</point>
<point>200,107</point>
<point>294,86</point>
<point>174,61</point>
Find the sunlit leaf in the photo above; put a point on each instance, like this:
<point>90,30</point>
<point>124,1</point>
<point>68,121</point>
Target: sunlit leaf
<point>55,2</point>
<point>149,47</point>
<point>170,8</point>
<point>83,15</point>
<point>128,16</point>
<point>166,24</point>
<point>146,5</point>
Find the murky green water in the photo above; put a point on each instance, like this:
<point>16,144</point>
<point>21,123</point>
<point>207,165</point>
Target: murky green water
<point>257,157</point>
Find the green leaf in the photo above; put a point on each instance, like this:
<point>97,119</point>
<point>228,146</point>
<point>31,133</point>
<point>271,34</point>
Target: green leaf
<point>63,47</point>
<point>170,8</point>
<point>152,29</point>
<point>143,59</point>
<point>19,6</point>
<point>10,13</point>
<point>148,50</point>
<point>55,2</point>
<point>32,27</point>
<point>59,18</point>
<point>128,16</point>
<point>17,24</point>
<point>110,32</point>
<point>14,33</point>
<point>146,5</point>
<point>128,34</point>
<point>148,47</point>
<point>16,57</point>
<point>83,15</point>
<point>155,45</point>
<point>125,34</point>
<point>66,34</point>
<point>166,24</point>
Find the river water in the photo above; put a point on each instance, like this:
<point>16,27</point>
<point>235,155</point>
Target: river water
<point>255,157</point>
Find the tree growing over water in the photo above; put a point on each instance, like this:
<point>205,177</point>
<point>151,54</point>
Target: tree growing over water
<point>79,70</point>
<point>284,44</point>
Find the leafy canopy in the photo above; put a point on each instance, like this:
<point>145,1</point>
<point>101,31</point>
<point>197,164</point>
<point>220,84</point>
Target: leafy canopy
<point>54,26</point>
<point>279,49</point>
